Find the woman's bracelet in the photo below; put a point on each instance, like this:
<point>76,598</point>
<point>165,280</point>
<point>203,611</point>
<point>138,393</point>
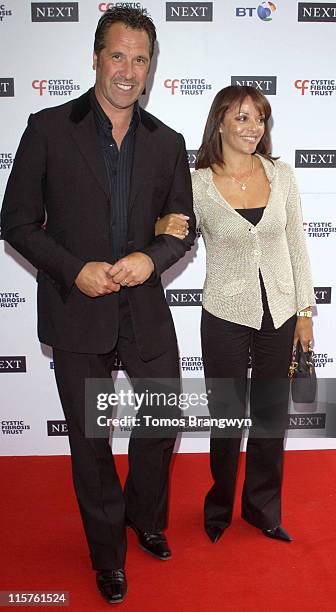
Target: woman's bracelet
<point>304,313</point>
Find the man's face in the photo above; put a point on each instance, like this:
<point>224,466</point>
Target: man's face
<point>122,66</point>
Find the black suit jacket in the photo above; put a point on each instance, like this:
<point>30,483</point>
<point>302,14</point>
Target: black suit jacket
<point>56,212</point>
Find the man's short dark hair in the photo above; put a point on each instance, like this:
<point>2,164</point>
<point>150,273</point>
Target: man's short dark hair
<point>134,18</point>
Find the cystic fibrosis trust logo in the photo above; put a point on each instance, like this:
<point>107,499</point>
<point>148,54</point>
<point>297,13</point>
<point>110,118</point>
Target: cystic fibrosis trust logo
<point>6,161</point>
<point>316,87</point>
<point>13,428</point>
<point>54,11</point>
<point>315,158</point>
<point>319,229</point>
<point>317,11</point>
<point>191,364</point>
<point>189,11</point>
<point>187,87</point>
<point>11,299</point>
<point>6,87</point>
<point>105,6</point>
<point>265,11</point>
<point>4,13</point>
<point>55,87</point>
<point>266,84</point>
<point>321,360</point>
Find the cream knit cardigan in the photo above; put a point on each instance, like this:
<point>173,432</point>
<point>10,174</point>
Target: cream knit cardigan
<point>236,250</point>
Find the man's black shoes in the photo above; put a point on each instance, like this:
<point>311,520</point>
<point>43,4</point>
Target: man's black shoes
<point>112,584</point>
<point>153,543</point>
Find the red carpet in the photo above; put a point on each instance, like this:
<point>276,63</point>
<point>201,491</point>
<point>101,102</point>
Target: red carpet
<point>43,548</point>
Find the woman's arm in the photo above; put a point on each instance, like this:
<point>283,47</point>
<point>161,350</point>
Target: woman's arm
<point>303,331</point>
<point>297,247</point>
<point>174,224</point>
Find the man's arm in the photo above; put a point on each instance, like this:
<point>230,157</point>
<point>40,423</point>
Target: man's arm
<point>166,250</point>
<point>23,212</point>
<point>147,265</point>
<point>23,215</point>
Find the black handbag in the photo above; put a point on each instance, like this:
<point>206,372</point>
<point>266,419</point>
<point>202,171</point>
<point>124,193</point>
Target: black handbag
<point>303,376</point>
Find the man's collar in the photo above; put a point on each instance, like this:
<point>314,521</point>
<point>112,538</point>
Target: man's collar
<point>105,121</point>
<point>81,107</point>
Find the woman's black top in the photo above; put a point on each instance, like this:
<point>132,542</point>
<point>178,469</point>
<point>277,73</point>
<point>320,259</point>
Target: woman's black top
<point>254,215</point>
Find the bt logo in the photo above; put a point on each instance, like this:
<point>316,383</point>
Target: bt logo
<point>172,84</point>
<point>302,85</point>
<point>40,85</point>
<point>264,11</point>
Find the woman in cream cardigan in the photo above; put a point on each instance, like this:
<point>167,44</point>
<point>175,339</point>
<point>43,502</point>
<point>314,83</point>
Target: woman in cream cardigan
<point>257,301</point>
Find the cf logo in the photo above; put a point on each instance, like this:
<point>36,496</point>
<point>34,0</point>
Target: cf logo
<point>171,84</point>
<point>104,6</point>
<point>40,85</point>
<point>299,84</point>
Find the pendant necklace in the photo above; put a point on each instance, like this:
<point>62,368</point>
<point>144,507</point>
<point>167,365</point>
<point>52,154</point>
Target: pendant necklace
<point>243,184</point>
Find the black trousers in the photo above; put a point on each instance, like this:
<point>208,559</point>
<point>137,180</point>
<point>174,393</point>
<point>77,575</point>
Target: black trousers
<point>226,348</point>
<point>102,503</point>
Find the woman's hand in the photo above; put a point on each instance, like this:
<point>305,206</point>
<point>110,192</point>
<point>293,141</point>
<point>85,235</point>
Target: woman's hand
<point>303,332</point>
<point>174,224</point>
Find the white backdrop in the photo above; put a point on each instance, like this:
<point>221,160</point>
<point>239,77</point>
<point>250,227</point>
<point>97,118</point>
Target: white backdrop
<point>288,51</point>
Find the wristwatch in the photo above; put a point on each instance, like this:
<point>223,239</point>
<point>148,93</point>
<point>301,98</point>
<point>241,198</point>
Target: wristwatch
<point>304,313</point>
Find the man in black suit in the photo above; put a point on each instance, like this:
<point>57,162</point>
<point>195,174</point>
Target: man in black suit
<point>89,180</point>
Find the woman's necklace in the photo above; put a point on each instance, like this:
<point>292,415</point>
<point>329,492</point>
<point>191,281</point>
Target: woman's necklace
<point>243,184</point>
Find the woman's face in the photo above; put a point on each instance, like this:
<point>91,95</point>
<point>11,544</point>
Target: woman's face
<point>242,128</point>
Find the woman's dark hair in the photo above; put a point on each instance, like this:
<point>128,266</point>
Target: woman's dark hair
<point>210,151</point>
<point>136,19</point>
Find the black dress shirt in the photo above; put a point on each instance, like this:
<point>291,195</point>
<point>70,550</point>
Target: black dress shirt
<point>118,164</point>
